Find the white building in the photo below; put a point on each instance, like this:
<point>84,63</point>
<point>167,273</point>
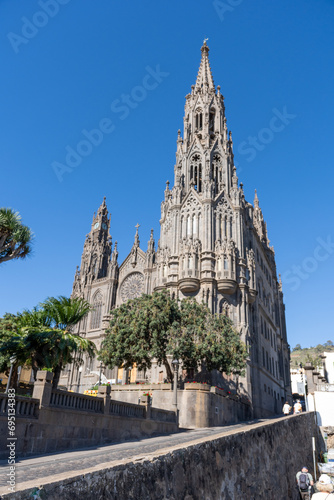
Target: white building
<point>328,366</point>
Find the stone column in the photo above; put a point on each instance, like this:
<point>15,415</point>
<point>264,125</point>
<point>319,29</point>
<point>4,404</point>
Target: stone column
<point>316,380</point>
<point>43,388</point>
<point>146,401</point>
<point>323,358</point>
<point>309,377</point>
<point>104,392</point>
<point>125,376</point>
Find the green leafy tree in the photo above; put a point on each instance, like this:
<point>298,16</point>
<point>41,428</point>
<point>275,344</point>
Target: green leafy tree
<point>206,340</point>
<point>11,342</point>
<point>139,331</point>
<point>157,327</point>
<point>298,347</point>
<point>15,238</point>
<point>314,360</point>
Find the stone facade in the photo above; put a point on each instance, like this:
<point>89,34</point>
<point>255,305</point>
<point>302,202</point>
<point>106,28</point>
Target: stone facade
<point>213,246</point>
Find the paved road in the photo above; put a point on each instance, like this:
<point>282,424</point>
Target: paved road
<point>44,469</point>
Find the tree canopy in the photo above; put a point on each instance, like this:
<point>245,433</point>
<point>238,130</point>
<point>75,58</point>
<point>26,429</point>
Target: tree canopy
<point>15,238</point>
<point>156,326</point>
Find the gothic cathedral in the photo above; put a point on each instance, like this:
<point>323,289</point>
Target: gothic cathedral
<point>213,246</point>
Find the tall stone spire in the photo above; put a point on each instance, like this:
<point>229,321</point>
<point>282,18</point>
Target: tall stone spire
<point>204,80</point>
<point>150,254</point>
<point>134,251</point>
<point>256,200</point>
<point>258,221</point>
<point>97,247</point>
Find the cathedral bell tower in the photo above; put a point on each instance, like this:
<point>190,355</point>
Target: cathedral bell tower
<point>97,248</point>
<point>201,234</point>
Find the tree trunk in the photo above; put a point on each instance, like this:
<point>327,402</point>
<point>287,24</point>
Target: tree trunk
<point>14,380</point>
<point>56,376</point>
<point>169,373</point>
<point>34,371</point>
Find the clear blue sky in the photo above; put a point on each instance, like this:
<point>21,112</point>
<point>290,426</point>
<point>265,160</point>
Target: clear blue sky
<point>63,76</point>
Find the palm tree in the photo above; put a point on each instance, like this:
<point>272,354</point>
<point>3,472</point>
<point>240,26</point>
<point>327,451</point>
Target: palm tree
<point>43,337</point>
<point>64,314</point>
<point>15,238</point>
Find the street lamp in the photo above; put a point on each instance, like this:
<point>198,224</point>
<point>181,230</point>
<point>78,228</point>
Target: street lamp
<point>80,371</point>
<point>12,360</point>
<point>100,377</point>
<point>68,378</point>
<point>175,364</point>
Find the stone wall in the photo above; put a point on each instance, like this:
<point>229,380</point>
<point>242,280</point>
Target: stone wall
<point>55,420</point>
<point>259,463</point>
<point>199,405</point>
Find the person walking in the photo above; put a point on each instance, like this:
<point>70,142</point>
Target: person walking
<point>305,482</point>
<point>324,488</point>
<point>286,408</point>
<point>297,407</point>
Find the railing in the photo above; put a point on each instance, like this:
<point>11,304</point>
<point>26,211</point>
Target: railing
<point>163,415</point>
<point>141,387</point>
<point>126,409</point>
<point>225,275</point>
<point>74,401</point>
<point>24,407</point>
<point>190,273</point>
<point>325,387</point>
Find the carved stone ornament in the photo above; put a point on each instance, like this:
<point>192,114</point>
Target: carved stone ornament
<point>132,287</point>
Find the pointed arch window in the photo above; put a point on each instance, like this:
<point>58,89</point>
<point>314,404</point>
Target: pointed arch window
<point>199,120</point>
<point>196,172</point>
<point>224,308</point>
<point>188,226</point>
<point>96,314</point>
<point>194,225</point>
<point>212,120</point>
<point>94,265</point>
<point>216,171</point>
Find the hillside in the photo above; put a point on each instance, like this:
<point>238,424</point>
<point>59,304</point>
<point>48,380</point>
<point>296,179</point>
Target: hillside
<point>312,354</point>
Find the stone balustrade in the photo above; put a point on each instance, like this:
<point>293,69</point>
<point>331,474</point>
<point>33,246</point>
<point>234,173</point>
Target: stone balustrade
<point>127,409</point>
<point>142,387</point>
<point>325,387</point>
<point>24,407</point>
<point>75,401</point>
<point>196,386</point>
